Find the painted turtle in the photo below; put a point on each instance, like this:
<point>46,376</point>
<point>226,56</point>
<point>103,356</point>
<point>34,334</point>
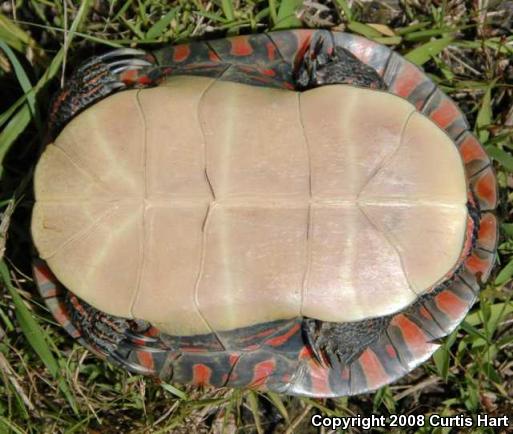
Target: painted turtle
<point>301,211</point>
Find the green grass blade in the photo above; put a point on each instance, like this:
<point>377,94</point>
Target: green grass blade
<point>505,274</point>
<point>228,9</point>
<point>502,157</point>
<point>278,403</point>
<point>287,14</point>
<point>484,116</point>
<point>6,115</point>
<point>9,427</point>
<point>273,12</point>
<point>174,391</point>
<point>363,30</point>
<point>425,52</point>
<point>161,25</point>
<point>24,83</point>
<point>253,405</point>
<point>35,335</point>
<point>12,130</point>
<point>17,38</point>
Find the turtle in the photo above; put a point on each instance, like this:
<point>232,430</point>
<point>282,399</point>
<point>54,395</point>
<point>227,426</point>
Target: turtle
<point>300,211</point>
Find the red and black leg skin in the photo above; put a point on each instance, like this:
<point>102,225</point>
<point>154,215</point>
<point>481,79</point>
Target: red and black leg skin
<point>99,78</point>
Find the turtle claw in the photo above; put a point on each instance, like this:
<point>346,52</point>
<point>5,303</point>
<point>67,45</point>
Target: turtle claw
<point>134,337</point>
<point>120,52</point>
<point>127,64</point>
<point>100,77</point>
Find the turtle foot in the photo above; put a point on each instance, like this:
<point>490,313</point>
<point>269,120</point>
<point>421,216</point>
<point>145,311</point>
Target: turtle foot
<point>320,67</point>
<point>98,78</point>
<point>341,343</point>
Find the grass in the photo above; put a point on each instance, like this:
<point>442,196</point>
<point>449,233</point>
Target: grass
<point>50,384</point>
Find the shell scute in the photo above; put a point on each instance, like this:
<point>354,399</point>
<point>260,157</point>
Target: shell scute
<point>484,187</point>
<point>488,232</point>
<point>411,342</point>
<point>472,153</point>
<point>408,81</point>
<point>446,114</point>
<point>368,372</point>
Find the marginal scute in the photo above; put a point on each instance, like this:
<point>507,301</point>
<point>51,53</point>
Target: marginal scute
<point>203,206</point>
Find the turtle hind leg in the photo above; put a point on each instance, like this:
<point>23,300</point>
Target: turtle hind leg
<point>98,78</point>
<point>319,67</point>
<point>123,341</point>
<point>341,343</point>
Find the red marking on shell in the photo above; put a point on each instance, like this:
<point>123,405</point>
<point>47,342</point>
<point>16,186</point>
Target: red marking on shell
<point>241,46</point>
<point>146,359</point>
<point>471,149</point>
<point>262,334</point>
<point>201,374</point>
<point>487,231</point>
<point>181,52</point>
<point>61,315</point>
<point>390,351</point>
<point>468,238</point>
<point>262,371</point>
<point>271,51</point>
<point>478,265</point>
<point>450,304</point>
<point>269,72</point>
<point>407,80</point>
<point>485,187</point>
<point>51,292</point>
<point>415,338</point>
<point>280,340</point>
<point>233,358</point>
<point>445,114</point>
<point>213,57</point>
<point>319,376</point>
<point>42,273</point>
<point>425,313</point>
<point>373,369</point>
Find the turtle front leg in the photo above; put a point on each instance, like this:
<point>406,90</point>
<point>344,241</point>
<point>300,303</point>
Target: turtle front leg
<point>318,67</point>
<point>98,78</point>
